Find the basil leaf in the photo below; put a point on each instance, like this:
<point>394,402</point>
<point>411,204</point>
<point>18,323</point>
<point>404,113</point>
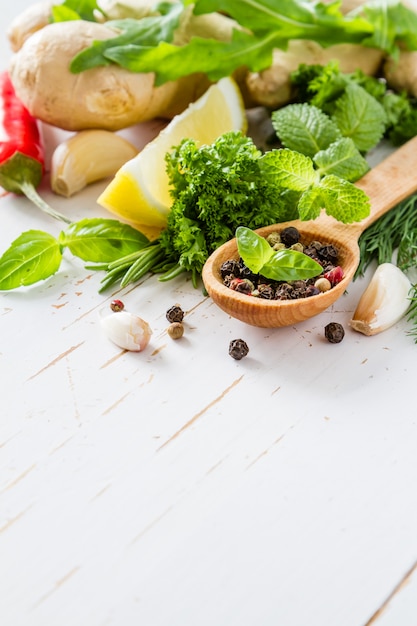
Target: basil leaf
<point>33,256</point>
<point>102,240</point>
<point>254,249</point>
<point>290,265</point>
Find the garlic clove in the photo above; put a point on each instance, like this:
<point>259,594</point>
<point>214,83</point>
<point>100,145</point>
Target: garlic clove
<point>87,157</point>
<point>384,302</point>
<point>126,330</point>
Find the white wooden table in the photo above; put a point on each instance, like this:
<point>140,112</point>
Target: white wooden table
<point>178,487</point>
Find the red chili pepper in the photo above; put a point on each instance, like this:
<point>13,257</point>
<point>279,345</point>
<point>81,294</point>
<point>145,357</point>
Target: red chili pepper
<point>21,151</point>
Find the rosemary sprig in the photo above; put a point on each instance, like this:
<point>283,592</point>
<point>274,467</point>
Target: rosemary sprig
<point>396,230</point>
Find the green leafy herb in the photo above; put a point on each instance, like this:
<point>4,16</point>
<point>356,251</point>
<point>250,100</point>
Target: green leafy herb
<point>260,28</point>
<point>362,107</point>
<point>36,255</point>
<point>75,10</point>
<point>262,259</point>
<point>359,116</point>
<point>304,128</point>
<point>343,159</point>
<point>32,257</point>
<point>220,187</point>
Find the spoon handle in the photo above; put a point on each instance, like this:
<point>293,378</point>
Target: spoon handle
<point>390,182</point>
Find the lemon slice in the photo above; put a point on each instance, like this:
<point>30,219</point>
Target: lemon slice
<point>139,192</point>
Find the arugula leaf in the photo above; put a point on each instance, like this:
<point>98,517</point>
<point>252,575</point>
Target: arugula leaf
<point>33,256</point>
<point>132,36</point>
<point>360,116</point>
<point>75,10</point>
<point>393,22</point>
<point>215,58</point>
<point>343,159</point>
<point>304,128</point>
<point>102,240</point>
<point>261,27</point>
<point>351,205</point>
<point>292,19</point>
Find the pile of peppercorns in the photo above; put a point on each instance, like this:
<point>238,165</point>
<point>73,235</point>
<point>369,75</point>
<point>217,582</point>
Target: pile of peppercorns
<point>238,277</point>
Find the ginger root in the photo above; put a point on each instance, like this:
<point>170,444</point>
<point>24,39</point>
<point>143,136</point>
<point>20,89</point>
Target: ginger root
<point>109,97</point>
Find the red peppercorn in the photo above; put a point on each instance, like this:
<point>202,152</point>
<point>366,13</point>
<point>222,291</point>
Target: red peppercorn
<point>117,305</point>
<point>334,275</point>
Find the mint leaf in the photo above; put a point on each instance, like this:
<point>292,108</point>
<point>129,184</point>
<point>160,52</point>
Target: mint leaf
<point>343,159</point>
<point>33,256</point>
<point>360,116</point>
<point>289,169</point>
<point>305,128</point>
<point>312,201</point>
<point>346,202</point>
<point>102,240</point>
<point>254,249</point>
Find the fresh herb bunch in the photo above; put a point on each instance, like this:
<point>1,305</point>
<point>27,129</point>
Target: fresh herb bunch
<point>147,44</point>
<point>218,187</point>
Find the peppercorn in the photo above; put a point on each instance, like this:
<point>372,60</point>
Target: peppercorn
<point>267,292</point>
<point>323,284</point>
<point>334,332</point>
<point>117,305</point>
<point>175,314</point>
<point>238,348</point>
<point>230,267</point>
<point>273,238</point>
<point>176,330</point>
<point>329,254</point>
<point>290,236</point>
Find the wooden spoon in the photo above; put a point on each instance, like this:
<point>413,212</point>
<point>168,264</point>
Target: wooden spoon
<point>391,181</point>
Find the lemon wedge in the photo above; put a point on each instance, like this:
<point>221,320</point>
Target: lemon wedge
<point>139,191</point>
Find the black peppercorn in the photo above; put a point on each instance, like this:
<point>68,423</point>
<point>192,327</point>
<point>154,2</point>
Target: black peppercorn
<point>238,348</point>
<point>334,332</point>
<point>290,236</point>
<point>230,267</point>
<point>175,314</point>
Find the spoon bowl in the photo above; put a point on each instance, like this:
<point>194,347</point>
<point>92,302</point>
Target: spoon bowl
<point>387,184</point>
